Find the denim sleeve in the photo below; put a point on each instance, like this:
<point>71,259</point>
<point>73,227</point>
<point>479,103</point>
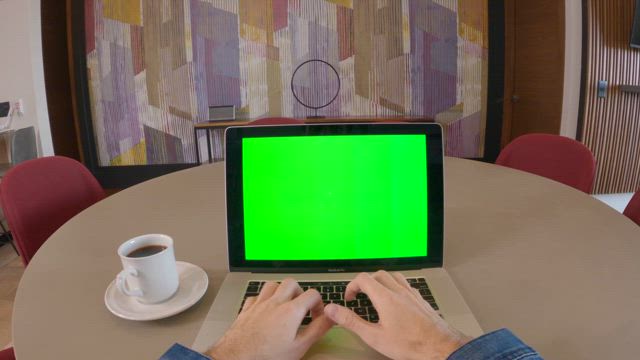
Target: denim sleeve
<point>179,352</point>
<point>497,345</point>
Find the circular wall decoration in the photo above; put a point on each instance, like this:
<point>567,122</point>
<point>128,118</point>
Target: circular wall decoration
<point>315,84</point>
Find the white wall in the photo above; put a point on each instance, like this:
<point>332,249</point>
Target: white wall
<point>572,67</point>
<point>21,69</point>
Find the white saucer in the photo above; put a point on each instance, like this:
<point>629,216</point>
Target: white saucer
<point>193,285</point>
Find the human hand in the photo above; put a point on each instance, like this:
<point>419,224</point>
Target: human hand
<point>267,327</point>
<point>408,327</point>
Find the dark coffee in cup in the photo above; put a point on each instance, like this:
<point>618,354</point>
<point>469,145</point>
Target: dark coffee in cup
<point>146,251</point>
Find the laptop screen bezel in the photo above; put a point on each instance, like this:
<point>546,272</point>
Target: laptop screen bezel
<point>235,211</point>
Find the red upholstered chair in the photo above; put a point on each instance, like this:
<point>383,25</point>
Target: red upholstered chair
<point>632,211</point>
<point>40,195</point>
<point>277,121</point>
<point>555,157</point>
<point>7,354</point>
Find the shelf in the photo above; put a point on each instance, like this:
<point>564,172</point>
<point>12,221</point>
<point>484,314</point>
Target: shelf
<point>630,88</point>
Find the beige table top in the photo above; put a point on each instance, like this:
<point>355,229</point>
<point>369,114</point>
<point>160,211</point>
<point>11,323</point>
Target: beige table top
<point>556,266</point>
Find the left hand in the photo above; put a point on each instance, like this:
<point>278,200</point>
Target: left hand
<point>268,325</point>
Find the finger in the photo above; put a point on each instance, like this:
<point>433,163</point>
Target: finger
<point>267,291</point>
<point>401,280</point>
<point>368,285</point>
<point>287,290</point>
<point>310,300</point>
<point>426,304</point>
<point>418,297</point>
<point>350,321</point>
<point>387,280</point>
<point>248,303</point>
<point>314,331</point>
<point>417,294</point>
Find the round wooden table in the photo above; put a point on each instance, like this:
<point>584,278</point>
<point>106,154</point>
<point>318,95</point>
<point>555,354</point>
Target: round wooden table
<point>559,268</point>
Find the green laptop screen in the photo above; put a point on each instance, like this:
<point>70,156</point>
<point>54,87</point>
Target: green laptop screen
<point>335,197</point>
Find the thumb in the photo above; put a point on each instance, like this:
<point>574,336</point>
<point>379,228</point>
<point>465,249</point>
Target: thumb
<point>349,320</point>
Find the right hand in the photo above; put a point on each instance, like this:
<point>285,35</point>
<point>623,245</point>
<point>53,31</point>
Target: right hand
<point>408,327</point>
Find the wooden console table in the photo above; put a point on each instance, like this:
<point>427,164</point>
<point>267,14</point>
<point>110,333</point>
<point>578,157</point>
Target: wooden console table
<point>223,124</point>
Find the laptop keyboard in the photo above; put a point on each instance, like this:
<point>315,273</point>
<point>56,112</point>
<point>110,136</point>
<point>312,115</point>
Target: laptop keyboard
<point>333,292</point>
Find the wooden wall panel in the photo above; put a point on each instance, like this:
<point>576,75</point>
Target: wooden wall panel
<point>611,125</point>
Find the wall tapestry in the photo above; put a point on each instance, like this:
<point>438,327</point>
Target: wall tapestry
<point>155,66</point>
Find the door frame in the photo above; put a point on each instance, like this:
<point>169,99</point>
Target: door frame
<point>509,69</point>
<point>496,80</point>
<point>584,70</point>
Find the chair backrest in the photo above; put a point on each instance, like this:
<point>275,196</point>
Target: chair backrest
<point>7,354</point>
<point>632,211</point>
<point>23,145</point>
<point>38,196</point>
<point>277,121</point>
<point>555,157</point>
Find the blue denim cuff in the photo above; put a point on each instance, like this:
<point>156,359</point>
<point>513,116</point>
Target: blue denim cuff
<point>497,345</point>
<point>179,352</point>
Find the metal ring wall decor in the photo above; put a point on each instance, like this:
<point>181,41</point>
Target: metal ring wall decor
<point>293,91</point>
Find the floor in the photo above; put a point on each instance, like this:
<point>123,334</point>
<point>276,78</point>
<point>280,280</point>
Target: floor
<point>616,201</point>
<point>11,270</point>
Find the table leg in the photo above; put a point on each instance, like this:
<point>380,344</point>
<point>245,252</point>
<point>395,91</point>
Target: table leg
<point>209,154</point>
<point>195,135</point>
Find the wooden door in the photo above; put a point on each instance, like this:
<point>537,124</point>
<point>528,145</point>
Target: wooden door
<point>55,55</point>
<point>534,67</point>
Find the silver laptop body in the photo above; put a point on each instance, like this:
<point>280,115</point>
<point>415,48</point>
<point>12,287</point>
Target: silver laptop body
<point>338,343</point>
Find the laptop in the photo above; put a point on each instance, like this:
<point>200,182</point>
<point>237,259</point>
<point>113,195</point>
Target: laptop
<point>321,203</point>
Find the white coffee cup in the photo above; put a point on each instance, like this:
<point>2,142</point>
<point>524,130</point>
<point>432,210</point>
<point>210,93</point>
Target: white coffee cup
<point>150,279</point>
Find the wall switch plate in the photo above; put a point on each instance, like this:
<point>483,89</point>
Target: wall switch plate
<point>602,88</point>
<point>4,108</point>
<point>19,105</point>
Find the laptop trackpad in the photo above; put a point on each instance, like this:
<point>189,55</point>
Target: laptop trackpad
<point>339,343</point>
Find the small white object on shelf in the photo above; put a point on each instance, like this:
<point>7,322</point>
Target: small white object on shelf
<point>222,113</point>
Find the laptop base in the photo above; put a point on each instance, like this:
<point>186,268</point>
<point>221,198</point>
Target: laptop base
<point>338,343</point>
